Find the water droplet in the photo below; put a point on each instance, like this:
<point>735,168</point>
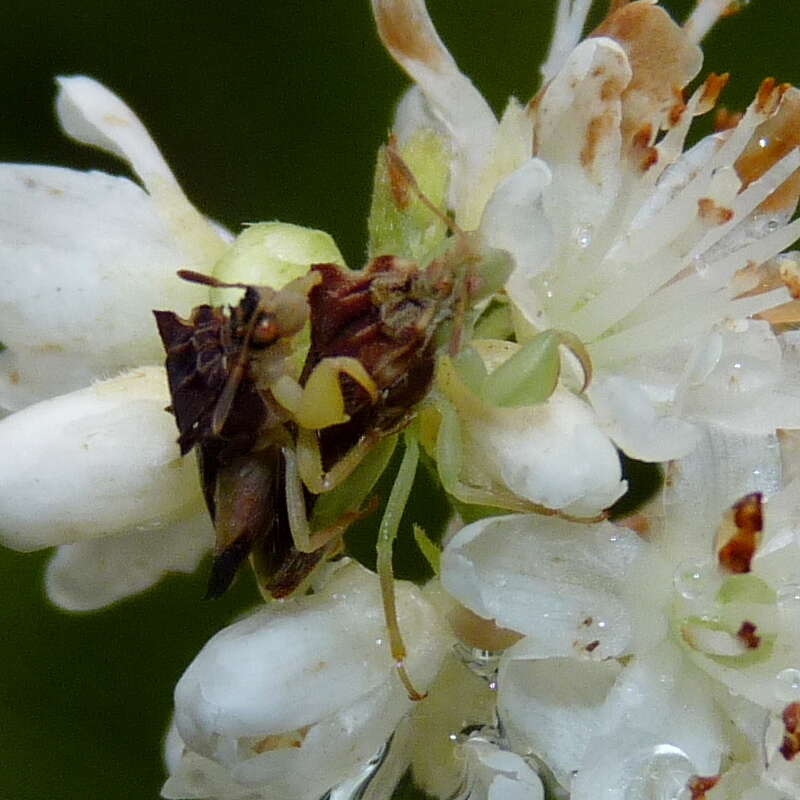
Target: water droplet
<point>763,142</point>
<point>787,685</point>
<point>662,774</point>
<point>696,581</point>
<point>773,225</point>
<point>483,663</point>
<point>379,641</point>
<point>583,236</point>
<point>700,265</point>
<point>789,596</point>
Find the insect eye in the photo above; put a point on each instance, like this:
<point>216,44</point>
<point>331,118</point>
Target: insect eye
<point>265,331</point>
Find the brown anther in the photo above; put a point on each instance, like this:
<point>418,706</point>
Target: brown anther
<point>734,7</point>
<point>769,95</point>
<point>740,533</point>
<point>713,214</point>
<point>774,139</point>
<point>592,646</point>
<point>791,736</point>
<point>698,786</point>
<point>747,634</point>
<point>677,110</point>
<point>712,88</point>
<point>726,119</point>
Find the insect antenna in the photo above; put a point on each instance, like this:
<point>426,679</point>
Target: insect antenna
<point>398,168</point>
<point>465,251</point>
<point>208,280</point>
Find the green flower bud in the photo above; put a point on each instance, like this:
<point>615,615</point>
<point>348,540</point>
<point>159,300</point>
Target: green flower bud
<point>272,254</point>
<point>400,224</point>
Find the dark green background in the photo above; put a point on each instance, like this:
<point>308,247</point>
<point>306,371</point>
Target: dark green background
<point>264,110</point>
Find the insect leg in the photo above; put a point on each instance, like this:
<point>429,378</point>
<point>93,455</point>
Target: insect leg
<point>386,536</point>
<point>304,540</point>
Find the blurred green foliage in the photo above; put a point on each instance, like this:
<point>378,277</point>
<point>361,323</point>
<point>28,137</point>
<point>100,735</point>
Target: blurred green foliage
<point>265,110</point>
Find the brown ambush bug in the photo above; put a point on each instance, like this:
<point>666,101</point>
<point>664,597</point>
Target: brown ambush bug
<point>268,444</point>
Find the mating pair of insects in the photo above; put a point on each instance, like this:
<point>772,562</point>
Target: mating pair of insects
<point>273,446</point>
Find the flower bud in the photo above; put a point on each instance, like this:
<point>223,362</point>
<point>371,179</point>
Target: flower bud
<point>95,462</point>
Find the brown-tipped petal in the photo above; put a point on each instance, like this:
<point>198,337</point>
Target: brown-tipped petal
<point>661,56</point>
<point>407,32</point>
<point>774,139</point>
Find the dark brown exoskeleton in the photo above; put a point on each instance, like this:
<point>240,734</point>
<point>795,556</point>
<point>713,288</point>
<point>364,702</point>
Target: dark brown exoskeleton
<point>374,328</point>
<point>219,366</point>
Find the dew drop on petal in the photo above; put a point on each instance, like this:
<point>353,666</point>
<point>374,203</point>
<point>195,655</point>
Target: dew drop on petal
<point>700,265</point>
<point>483,663</point>
<point>787,685</point>
<point>763,142</point>
<point>582,235</point>
<point>789,597</point>
<point>696,581</point>
<point>662,775</point>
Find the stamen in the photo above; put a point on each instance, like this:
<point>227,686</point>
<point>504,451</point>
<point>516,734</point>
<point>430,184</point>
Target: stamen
<point>704,17</point>
<point>569,24</point>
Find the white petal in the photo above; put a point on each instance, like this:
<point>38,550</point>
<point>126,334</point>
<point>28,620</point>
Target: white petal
<point>407,32</point>
<point>299,662</point>
<point>553,454</point>
<point>92,114</point>
<point>514,220</point>
<point>552,707</point>
<point>459,698</point>
<point>496,774</point>
<point>753,386</point>
<point>84,258</point>
<point>657,727</point>
<point>578,135</point>
<point>89,575</point>
<point>561,583</point>
<point>631,420</point>
<point>725,466</point>
<point>96,462</point>
<point>173,748</point>
<point>333,749</point>
<point>414,114</point>
<point>197,778</point>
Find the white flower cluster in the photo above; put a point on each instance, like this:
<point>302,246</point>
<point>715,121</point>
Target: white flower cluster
<point>652,657</point>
